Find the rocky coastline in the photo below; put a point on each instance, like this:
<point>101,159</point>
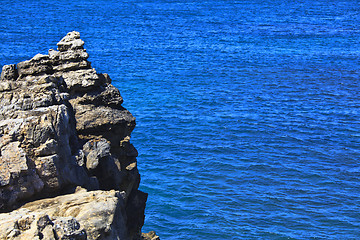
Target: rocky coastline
<point>67,167</point>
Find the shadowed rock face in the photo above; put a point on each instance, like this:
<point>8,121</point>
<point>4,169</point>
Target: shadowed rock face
<point>62,126</point>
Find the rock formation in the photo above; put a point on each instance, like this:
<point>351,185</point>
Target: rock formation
<point>62,129</point>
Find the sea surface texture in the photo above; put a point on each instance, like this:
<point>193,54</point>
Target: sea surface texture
<point>248,112</point>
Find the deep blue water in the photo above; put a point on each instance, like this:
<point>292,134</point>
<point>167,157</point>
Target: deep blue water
<point>247,111</point>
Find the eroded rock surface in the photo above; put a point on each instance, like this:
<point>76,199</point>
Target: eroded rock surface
<point>83,215</point>
<point>62,125</point>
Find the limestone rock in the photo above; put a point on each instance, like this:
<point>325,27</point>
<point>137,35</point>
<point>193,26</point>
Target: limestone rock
<point>9,72</point>
<point>71,41</point>
<point>68,228</point>
<point>82,215</point>
<point>95,150</point>
<point>150,236</point>
<point>62,126</point>
<point>38,64</point>
<point>81,79</point>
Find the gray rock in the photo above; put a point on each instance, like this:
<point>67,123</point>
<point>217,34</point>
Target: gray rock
<point>69,60</point>
<point>80,80</point>
<point>62,127</point>
<point>71,41</point>
<point>68,228</point>
<point>95,150</point>
<point>9,72</point>
<point>70,55</point>
<point>38,64</point>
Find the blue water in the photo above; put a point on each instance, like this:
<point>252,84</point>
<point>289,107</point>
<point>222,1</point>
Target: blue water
<point>247,111</point>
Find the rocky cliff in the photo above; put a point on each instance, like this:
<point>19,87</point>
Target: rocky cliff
<point>66,162</point>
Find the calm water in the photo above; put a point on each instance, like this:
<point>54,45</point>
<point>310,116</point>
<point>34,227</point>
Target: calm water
<point>247,111</point>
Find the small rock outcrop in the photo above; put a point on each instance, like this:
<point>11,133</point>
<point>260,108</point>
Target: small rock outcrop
<point>62,127</point>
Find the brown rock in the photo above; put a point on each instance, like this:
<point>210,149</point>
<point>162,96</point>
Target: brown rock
<point>150,236</point>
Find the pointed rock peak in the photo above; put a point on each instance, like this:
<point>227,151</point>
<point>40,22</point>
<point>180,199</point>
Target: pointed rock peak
<point>71,41</point>
<point>71,36</point>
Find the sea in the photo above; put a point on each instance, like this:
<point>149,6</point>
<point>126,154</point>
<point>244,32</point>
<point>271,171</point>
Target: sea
<point>248,112</point>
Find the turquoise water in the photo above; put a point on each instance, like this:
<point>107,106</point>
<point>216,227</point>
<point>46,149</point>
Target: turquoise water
<point>247,111</point>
